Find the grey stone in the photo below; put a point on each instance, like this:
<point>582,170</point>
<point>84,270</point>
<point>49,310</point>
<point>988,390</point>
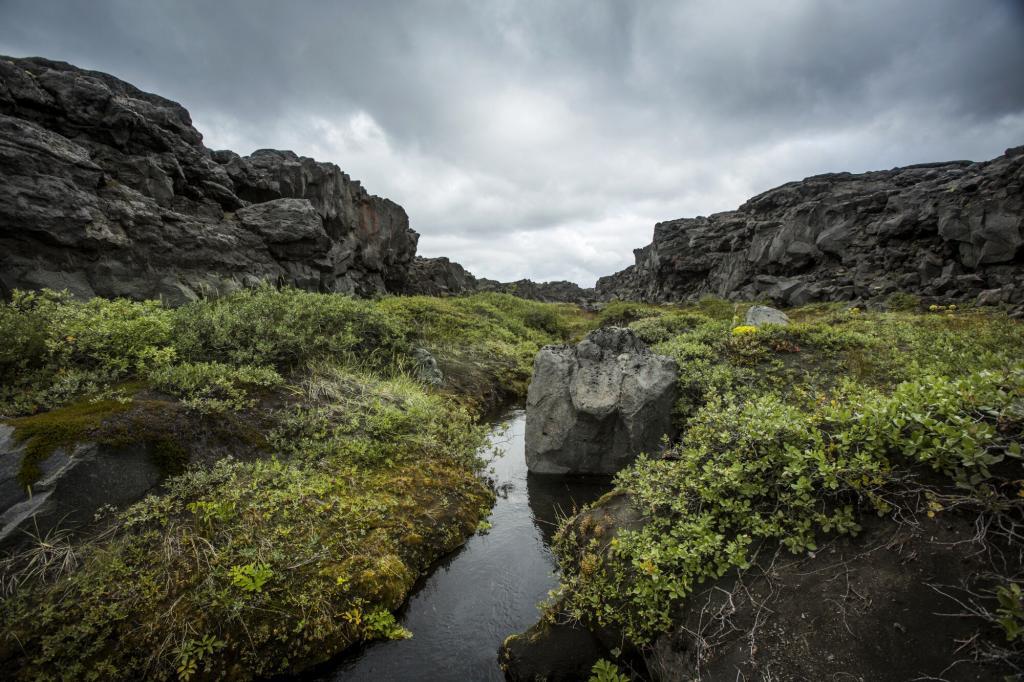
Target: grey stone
<point>592,408</point>
<point>761,314</point>
<point>427,369</point>
<point>994,296</point>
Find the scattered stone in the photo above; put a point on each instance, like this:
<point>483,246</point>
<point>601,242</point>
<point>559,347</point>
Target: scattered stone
<point>592,408</point>
<point>427,369</point>
<point>759,315</point>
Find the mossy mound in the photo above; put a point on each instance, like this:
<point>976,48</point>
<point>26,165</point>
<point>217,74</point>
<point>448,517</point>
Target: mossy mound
<point>323,477</point>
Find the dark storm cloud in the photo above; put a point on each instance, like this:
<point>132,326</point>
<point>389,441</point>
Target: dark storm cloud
<point>544,138</point>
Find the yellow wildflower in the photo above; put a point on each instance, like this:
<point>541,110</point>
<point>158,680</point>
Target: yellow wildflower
<point>744,329</point>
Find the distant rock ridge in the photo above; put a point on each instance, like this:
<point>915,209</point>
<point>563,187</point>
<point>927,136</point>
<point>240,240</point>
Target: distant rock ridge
<point>946,230</point>
<point>109,191</point>
<point>444,277</point>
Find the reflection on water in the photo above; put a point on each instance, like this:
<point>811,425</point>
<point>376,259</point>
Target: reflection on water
<point>487,590</point>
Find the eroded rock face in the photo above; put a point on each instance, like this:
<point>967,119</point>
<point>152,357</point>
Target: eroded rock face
<point>592,408</point>
<point>951,230</point>
<point>109,191</point>
<point>439,277</point>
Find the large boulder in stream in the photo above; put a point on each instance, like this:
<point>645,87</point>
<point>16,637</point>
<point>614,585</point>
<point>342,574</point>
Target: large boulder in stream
<point>592,408</point>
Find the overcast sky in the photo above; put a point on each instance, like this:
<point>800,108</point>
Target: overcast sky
<point>545,138</point>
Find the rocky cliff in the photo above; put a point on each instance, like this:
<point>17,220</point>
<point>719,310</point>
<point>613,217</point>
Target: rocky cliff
<point>952,230</point>
<point>109,191</point>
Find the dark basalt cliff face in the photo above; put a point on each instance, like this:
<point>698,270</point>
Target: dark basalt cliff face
<point>108,190</point>
<point>953,230</point>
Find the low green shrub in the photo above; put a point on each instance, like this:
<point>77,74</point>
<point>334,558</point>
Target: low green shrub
<point>623,313</point>
<point>761,470</point>
<point>791,433</point>
<point>214,386</point>
<point>287,329</point>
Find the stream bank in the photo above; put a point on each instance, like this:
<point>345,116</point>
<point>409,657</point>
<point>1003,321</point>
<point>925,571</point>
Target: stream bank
<point>490,588</point>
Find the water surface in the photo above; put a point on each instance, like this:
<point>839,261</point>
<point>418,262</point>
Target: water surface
<point>487,590</point>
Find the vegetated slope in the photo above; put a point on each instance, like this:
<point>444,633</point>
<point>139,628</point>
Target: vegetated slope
<point>355,475</point>
<point>839,482</point>
<point>109,191</point>
<point>950,230</point>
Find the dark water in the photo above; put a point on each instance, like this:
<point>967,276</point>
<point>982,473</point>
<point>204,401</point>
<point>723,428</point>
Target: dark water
<point>487,590</point>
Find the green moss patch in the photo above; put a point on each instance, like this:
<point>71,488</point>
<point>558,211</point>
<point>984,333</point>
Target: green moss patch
<point>172,434</point>
<point>43,434</point>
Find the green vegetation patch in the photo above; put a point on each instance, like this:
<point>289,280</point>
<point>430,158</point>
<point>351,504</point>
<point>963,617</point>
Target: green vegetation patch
<point>350,476</point>
<point>793,434</point>
<point>245,569</point>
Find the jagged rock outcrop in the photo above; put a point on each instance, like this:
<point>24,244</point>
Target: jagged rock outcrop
<point>109,191</point>
<point>439,277</point>
<point>592,408</point>
<point>951,230</point>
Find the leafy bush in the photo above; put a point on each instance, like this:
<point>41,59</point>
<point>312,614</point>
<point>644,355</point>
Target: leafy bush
<point>903,301</point>
<point>658,329</point>
<point>623,313</point>
<point>60,348</point>
<point>214,386</point>
<point>286,329</point>
<point>606,671</point>
<point>794,432</point>
<point>763,470</point>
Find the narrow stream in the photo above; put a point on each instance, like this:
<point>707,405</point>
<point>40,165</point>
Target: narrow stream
<point>488,589</point>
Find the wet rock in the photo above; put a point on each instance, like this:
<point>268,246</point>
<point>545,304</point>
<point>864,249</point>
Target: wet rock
<point>915,229</point>
<point>75,482</point>
<point>592,408</point>
<point>761,314</point>
<point>87,455</point>
<point>550,652</point>
<point>109,191</point>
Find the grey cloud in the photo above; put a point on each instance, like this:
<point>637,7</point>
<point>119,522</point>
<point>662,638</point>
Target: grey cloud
<point>544,139</point>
